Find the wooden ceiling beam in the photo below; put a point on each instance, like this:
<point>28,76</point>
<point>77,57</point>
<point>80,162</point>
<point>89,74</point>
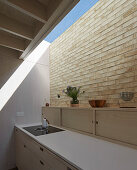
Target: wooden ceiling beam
<point>15,27</point>
<point>11,42</point>
<point>29,7</point>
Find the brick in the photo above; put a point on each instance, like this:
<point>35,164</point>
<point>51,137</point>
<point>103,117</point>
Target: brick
<point>98,52</point>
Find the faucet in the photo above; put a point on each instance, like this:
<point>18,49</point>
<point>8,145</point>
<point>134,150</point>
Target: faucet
<point>45,123</point>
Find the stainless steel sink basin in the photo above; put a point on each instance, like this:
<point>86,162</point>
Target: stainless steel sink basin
<point>39,130</point>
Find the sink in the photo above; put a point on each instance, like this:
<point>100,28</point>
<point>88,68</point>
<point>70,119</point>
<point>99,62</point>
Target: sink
<point>39,130</point>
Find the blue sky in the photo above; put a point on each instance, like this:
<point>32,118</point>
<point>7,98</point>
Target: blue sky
<point>82,7</point>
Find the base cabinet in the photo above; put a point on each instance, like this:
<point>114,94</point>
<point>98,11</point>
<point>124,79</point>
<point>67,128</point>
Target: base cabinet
<point>30,155</point>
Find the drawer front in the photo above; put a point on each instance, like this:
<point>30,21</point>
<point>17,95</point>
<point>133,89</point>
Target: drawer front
<point>118,125</point>
<point>51,158</point>
<point>54,161</point>
<point>78,119</point>
<point>42,165</point>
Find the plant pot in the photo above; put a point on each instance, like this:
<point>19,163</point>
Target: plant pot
<point>74,105</point>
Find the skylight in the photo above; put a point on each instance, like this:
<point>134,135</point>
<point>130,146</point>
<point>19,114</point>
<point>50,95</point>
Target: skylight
<point>82,7</point>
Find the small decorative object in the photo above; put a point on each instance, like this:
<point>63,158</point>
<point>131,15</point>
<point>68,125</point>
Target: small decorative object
<point>97,103</point>
<point>58,96</point>
<point>47,104</point>
<point>127,96</point>
<point>73,92</point>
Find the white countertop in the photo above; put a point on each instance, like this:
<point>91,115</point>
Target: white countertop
<point>87,153</point>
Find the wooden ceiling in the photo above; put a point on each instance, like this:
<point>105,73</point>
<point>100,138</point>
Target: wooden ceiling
<point>25,23</point>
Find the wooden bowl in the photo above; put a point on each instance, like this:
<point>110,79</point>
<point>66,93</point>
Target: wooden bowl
<point>97,103</point>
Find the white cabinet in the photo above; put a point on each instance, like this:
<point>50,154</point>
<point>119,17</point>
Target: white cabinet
<point>30,155</point>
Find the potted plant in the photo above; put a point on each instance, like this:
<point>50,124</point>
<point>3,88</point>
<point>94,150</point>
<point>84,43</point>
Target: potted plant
<point>73,92</point>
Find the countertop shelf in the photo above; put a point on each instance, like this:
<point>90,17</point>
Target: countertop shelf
<point>97,108</point>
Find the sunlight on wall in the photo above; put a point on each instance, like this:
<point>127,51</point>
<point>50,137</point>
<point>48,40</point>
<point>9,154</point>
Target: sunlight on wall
<point>20,74</point>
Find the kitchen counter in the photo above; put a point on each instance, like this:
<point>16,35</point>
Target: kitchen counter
<point>85,152</point>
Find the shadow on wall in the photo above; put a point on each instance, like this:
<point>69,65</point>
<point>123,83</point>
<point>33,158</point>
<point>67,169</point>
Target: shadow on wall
<point>19,75</point>
<point>8,64</point>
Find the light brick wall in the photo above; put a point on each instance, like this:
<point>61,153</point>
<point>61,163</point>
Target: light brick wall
<point>99,53</point>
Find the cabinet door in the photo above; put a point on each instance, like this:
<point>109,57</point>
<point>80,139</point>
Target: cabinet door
<point>20,155</point>
<point>25,160</point>
<point>78,119</point>
<point>20,152</point>
<point>52,114</point>
<point>118,125</point>
<point>30,161</point>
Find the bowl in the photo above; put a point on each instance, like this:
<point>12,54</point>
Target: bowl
<point>127,96</point>
<point>97,103</point>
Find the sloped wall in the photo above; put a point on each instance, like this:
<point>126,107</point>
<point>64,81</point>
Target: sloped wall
<point>99,53</point>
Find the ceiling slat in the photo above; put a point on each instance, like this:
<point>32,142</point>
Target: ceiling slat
<point>15,27</point>
<point>9,52</point>
<point>11,42</point>
<point>29,7</point>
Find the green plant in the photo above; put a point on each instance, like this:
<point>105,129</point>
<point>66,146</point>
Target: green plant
<point>73,92</point>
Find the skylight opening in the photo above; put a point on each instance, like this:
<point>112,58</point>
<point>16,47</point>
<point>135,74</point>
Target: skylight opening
<point>81,8</point>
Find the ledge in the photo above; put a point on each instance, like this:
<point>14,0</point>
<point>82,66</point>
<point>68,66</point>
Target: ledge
<point>91,108</point>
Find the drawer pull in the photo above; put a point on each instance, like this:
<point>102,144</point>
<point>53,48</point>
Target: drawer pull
<point>41,162</point>
<point>41,149</point>
<point>96,122</point>
<point>24,146</point>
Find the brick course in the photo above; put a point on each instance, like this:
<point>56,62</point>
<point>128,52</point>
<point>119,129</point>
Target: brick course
<point>99,53</point>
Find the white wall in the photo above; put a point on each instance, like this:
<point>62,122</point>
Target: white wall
<point>28,98</point>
